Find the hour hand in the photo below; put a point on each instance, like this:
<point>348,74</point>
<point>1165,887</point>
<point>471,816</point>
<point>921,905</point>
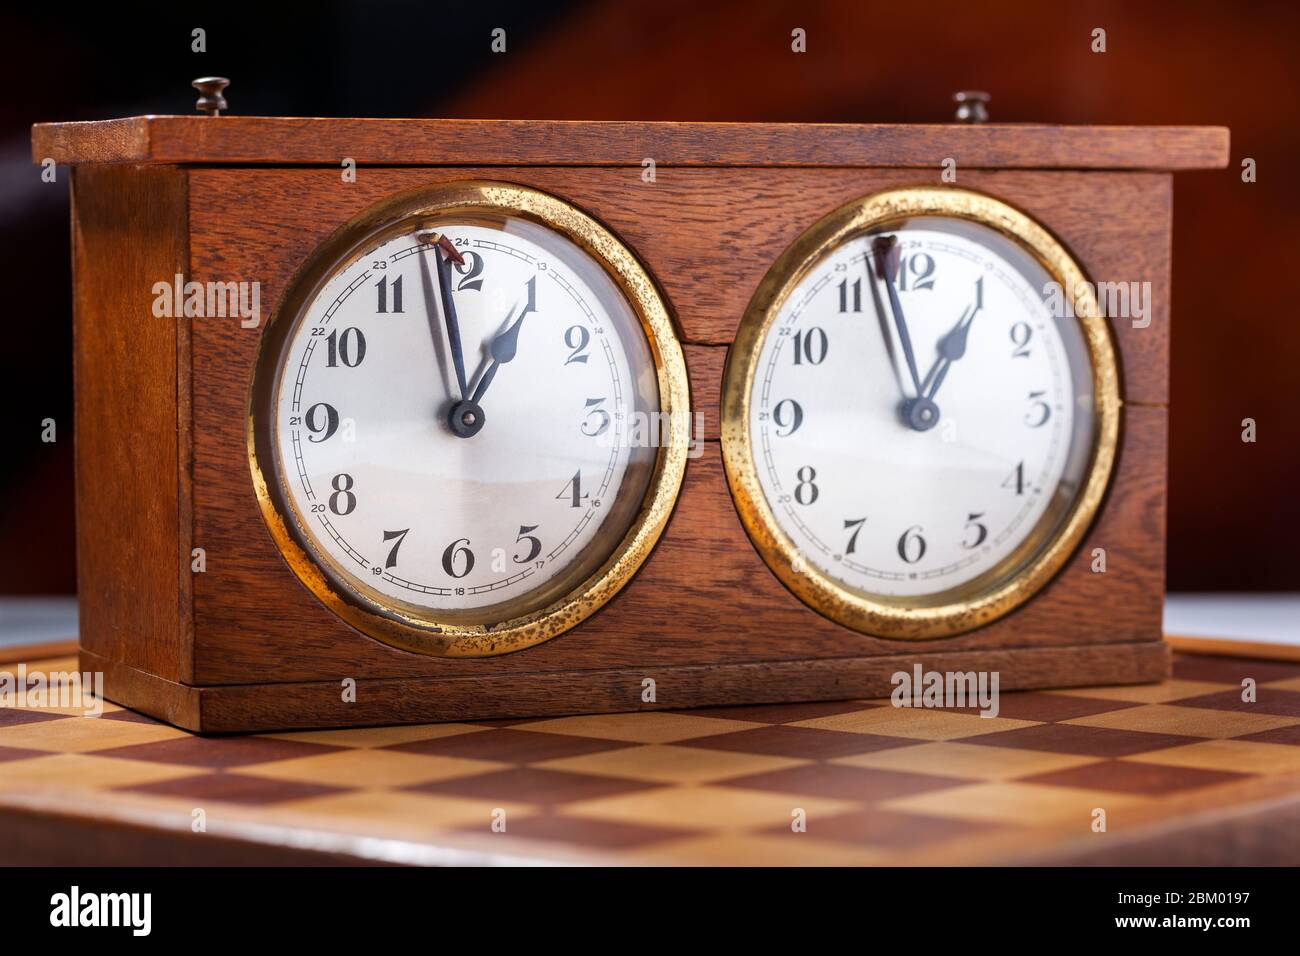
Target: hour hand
<point>953,345</point>
<point>506,343</point>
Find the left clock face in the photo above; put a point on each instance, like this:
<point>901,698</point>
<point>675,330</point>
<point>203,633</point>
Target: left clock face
<point>462,404</point>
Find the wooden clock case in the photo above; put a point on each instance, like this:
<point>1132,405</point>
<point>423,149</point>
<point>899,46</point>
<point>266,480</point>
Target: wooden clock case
<point>162,463</point>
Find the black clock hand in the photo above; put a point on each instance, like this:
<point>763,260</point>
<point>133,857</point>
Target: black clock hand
<point>450,254</point>
<point>505,344</point>
<point>886,250</point>
<point>953,345</point>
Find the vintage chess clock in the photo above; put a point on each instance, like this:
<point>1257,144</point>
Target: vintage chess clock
<point>385,421</point>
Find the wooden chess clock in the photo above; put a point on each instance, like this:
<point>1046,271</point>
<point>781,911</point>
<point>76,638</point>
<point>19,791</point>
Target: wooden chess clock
<point>549,418</point>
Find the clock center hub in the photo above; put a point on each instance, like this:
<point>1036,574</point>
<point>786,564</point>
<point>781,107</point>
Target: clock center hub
<point>466,418</point>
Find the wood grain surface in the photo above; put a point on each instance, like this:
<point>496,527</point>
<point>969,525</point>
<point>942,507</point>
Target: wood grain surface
<point>704,612</point>
<point>493,694</point>
<point>1186,771</point>
<point>128,232</point>
<point>703,597</point>
<point>708,236</point>
<point>279,140</point>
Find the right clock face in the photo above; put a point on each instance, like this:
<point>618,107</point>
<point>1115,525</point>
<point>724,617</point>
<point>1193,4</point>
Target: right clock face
<point>920,412</point>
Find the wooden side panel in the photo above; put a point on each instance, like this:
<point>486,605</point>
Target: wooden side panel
<point>129,232</point>
<point>417,700</point>
<point>708,237</point>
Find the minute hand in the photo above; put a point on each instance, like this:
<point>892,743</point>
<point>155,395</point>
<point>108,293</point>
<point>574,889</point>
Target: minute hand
<point>886,248</point>
<point>443,262</point>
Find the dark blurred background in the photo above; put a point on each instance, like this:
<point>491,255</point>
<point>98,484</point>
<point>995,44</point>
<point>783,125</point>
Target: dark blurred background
<point>1234,514</point>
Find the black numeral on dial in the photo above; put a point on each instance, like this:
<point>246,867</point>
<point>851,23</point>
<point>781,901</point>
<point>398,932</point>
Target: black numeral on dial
<point>810,346</point>
<point>981,530</point>
<point>597,420</point>
<point>787,414</point>
<point>471,270</point>
<point>534,543</point>
<point>1016,480</point>
<point>321,418</point>
<point>911,546</point>
<point>343,501</point>
<point>805,492</point>
<point>1021,333</point>
<point>349,346</point>
<point>577,338</point>
<point>1039,411</point>
<point>381,288</point>
<point>458,552</point>
<point>856,524</point>
<point>850,295</point>
<point>573,491</point>
<point>391,561</point>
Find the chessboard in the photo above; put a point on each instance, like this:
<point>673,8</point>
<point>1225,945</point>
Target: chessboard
<point>1184,771</point>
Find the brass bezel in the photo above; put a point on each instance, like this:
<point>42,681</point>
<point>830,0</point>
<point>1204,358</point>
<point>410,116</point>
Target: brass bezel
<point>899,618</point>
<point>425,633</point>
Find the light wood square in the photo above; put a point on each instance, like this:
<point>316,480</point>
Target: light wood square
<point>81,734</point>
<point>1186,721</point>
<point>363,767</point>
<point>667,764</point>
<point>918,722</point>
<point>1291,683</point>
<point>400,813</point>
<point>707,808</point>
<point>1233,756</point>
<point>85,771</point>
<point>966,761</point>
<point>1160,693</point>
<point>647,727</point>
<point>1016,803</point>
<point>59,666</point>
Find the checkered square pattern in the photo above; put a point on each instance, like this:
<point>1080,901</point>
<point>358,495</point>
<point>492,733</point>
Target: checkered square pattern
<point>845,782</point>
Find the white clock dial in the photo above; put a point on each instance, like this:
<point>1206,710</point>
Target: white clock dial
<point>455,418</point>
<point>918,423</point>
